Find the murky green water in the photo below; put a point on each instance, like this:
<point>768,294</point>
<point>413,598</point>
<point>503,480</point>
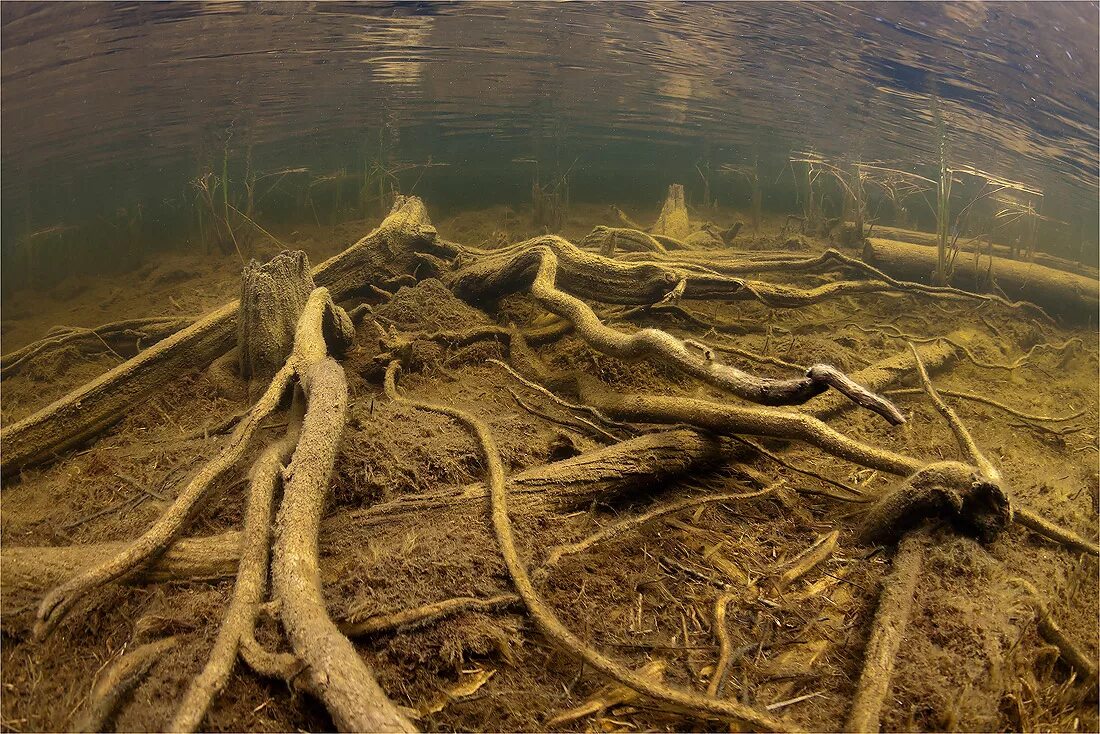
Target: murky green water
<point>115,114</point>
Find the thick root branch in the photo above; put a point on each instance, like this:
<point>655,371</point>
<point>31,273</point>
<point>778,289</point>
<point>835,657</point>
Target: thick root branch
<point>662,346</point>
<point>545,618</point>
<point>169,525</point>
<point>887,635</point>
<point>729,419</point>
<point>249,590</point>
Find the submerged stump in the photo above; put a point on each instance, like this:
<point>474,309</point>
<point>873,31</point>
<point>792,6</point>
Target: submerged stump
<point>272,298</point>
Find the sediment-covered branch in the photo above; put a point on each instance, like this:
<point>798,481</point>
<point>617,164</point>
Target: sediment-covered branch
<point>1072,296</point>
<point>389,250</point>
<point>536,269</point>
<point>887,634</point>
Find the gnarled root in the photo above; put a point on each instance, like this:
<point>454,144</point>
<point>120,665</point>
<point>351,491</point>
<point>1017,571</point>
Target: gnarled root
<point>732,419</point>
<point>545,618</point>
<point>121,338</point>
<point>391,249</point>
<point>947,490</point>
<point>250,587</point>
<point>336,672</point>
<point>659,345</point>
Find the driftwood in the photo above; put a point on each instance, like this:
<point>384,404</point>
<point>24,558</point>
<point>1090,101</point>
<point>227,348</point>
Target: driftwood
<point>1069,295</point>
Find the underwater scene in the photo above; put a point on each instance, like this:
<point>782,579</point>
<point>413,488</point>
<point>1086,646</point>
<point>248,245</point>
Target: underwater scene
<point>549,366</point>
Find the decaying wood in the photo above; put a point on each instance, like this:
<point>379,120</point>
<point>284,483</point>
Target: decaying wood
<point>121,338</point>
<point>887,634</point>
<point>389,250</point>
<point>673,220</point>
<point>965,245</point>
<point>547,621</point>
<point>1069,295</point>
<point>273,295</point>
<point>563,486</point>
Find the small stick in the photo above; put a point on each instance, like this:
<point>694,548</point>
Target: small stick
<point>121,678</point>
<point>564,403</point>
<point>989,401</point>
<point>422,615</point>
<point>725,644</point>
<point>605,434</point>
<point>615,530</point>
<point>821,549</point>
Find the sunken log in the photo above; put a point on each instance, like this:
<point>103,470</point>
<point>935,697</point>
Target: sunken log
<point>1073,297</point>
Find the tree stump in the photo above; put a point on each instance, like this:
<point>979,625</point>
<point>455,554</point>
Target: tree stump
<point>272,298</point>
<point>673,221</point>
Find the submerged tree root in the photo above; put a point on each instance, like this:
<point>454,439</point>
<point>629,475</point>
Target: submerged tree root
<point>120,338</point>
<point>418,616</point>
<point>545,618</point>
<point>335,672</point>
<point>887,634</point>
<point>250,588</point>
<point>1052,633</point>
<point>661,346</point>
<point>118,680</point>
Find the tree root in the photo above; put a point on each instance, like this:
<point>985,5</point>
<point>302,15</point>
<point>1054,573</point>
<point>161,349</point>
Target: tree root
<point>118,337</point>
<point>729,419</point>
<point>544,617</point>
<point>887,634</point>
<point>120,678</point>
<point>336,672</point>
<point>991,402</point>
<point>756,263</point>
<point>1041,526</point>
<point>250,587</point>
<point>725,644</point>
<point>353,626</point>
<point>391,249</point>
<point>1052,633</point>
<point>659,345</point>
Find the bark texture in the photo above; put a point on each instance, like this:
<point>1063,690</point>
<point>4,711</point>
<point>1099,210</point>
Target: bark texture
<point>1071,296</point>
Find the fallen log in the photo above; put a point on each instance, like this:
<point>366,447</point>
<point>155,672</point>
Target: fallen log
<point>1069,295</point>
<point>390,250</point>
<point>971,245</point>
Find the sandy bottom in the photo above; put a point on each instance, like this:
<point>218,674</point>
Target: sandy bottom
<point>972,659</point>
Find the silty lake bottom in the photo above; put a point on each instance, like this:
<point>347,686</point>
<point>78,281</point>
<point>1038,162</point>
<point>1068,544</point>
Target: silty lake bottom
<point>556,367</point>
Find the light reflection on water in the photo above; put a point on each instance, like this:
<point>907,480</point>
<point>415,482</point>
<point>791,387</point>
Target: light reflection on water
<point>112,105</point>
